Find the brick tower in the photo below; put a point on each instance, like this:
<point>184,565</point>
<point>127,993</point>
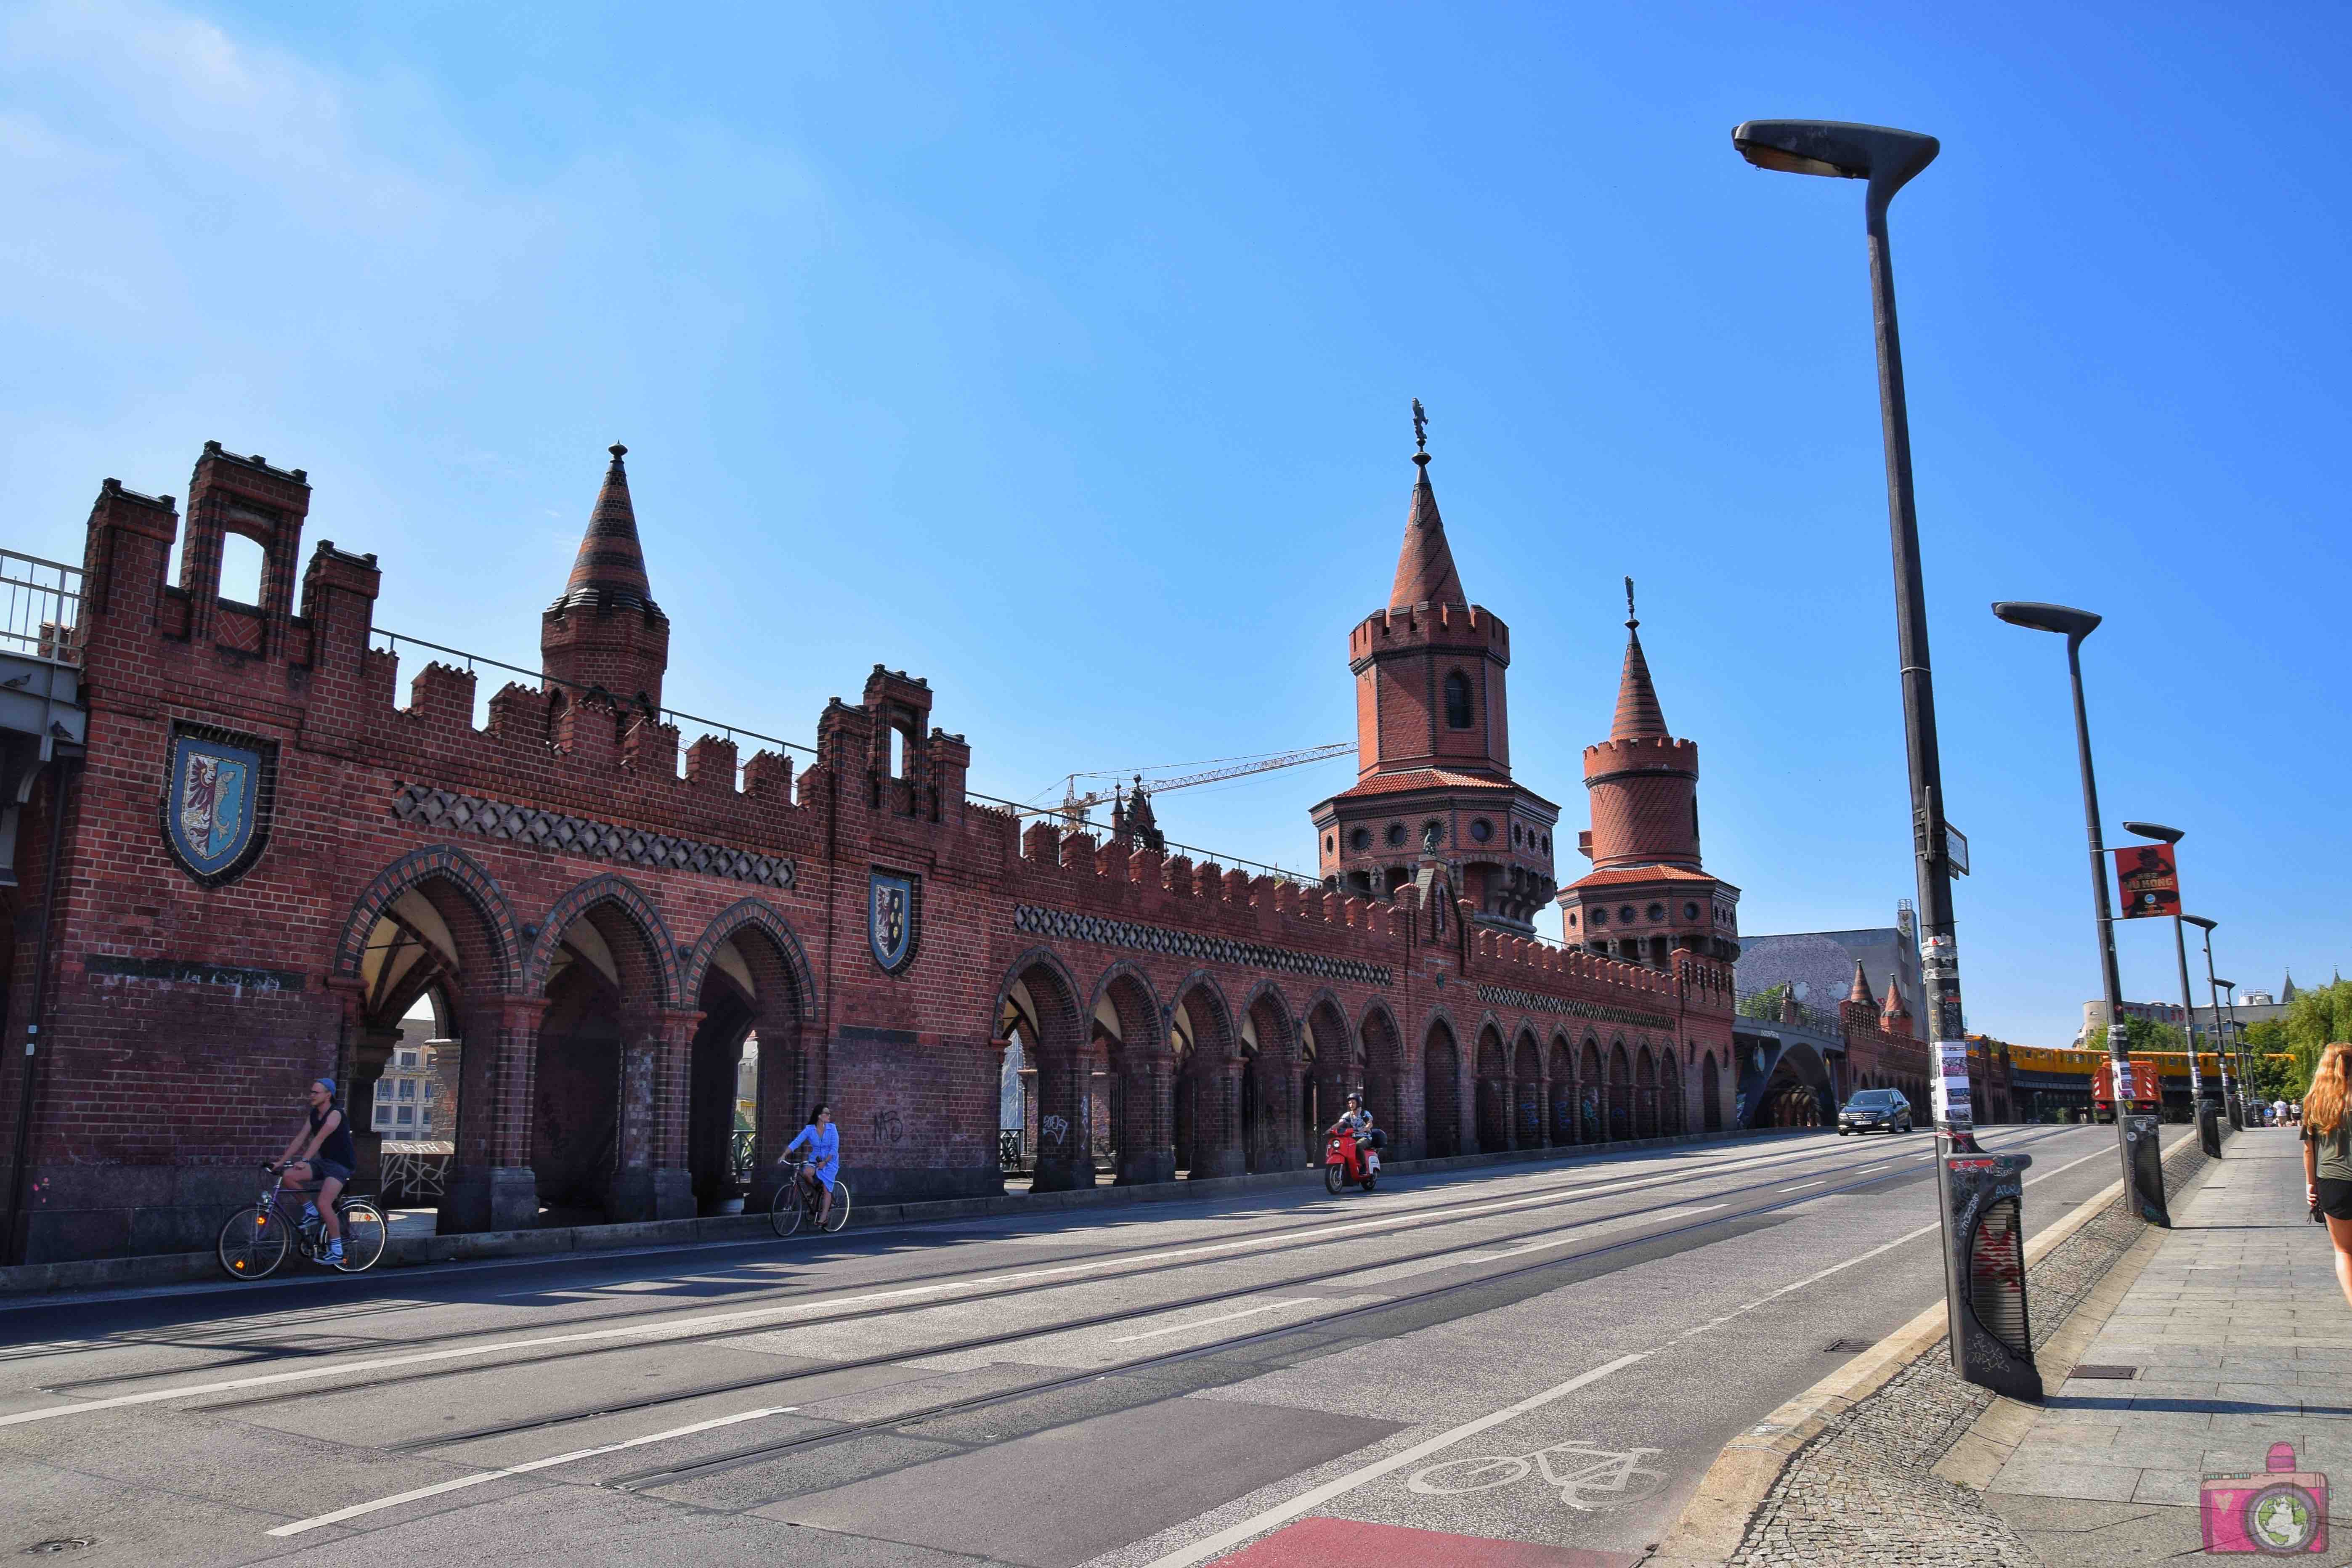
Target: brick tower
<point>1433,795</point>
<point>1648,894</point>
<point>605,630</point>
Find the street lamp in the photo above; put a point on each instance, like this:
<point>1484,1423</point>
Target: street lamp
<point>1888,159</point>
<point>2074,625</point>
<point>2221,1035</point>
<point>2163,835</point>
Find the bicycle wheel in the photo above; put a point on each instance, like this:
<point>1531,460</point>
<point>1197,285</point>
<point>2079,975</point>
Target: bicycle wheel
<point>785,1211</point>
<point>364,1234</point>
<point>838,1214</point>
<point>1457,1476</point>
<point>253,1243</point>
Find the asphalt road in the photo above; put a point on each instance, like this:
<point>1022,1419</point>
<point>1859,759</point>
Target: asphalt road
<point>1548,1354</point>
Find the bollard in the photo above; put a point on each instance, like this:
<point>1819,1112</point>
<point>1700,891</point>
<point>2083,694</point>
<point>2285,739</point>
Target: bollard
<point>1995,1349</point>
<point>2145,1152</point>
<point>2209,1128</point>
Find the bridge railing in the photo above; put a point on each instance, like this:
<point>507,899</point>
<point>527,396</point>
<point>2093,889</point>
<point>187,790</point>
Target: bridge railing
<point>1773,1004</point>
<point>40,607</point>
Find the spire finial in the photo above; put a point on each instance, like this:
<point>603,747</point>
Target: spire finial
<point>1419,427</point>
<point>1630,620</point>
<point>618,451</point>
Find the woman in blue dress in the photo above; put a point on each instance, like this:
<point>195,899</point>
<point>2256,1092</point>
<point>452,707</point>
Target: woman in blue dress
<point>824,1140</point>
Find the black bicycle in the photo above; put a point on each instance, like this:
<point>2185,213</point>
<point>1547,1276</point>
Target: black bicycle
<point>795,1202</point>
<point>256,1240</point>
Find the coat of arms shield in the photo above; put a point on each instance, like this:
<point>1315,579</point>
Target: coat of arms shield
<point>894,911</point>
<point>216,803</point>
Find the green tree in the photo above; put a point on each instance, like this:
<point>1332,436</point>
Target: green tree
<point>1764,1003</point>
<point>2314,1018</point>
<point>2271,1072</point>
<point>2147,1035</point>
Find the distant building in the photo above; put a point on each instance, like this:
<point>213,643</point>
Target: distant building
<point>2253,1007</point>
<point>1818,966</point>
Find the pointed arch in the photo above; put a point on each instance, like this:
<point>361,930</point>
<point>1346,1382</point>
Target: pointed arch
<point>755,914</point>
<point>608,891</point>
<point>1384,1071</point>
<point>1441,1067</point>
<point>446,865</point>
<point>1063,1145</point>
<point>1207,1110</point>
<point>1138,1081</point>
<point>1562,1107</point>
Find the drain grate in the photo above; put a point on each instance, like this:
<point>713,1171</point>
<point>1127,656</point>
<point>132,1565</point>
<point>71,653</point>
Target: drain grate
<point>2114,1374</point>
<point>1847,1347</point>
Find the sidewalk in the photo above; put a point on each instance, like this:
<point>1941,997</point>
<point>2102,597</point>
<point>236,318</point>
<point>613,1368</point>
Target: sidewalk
<point>2235,1337</point>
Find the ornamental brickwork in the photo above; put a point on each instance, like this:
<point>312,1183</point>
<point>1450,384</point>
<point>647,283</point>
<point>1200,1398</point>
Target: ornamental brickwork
<point>605,917</point>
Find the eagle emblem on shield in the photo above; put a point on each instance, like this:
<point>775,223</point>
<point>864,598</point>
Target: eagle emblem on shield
<point>217,802</point>
<point>894,912</point>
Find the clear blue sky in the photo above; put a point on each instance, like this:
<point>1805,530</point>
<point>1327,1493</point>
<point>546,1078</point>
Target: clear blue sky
<point>1063,356</point>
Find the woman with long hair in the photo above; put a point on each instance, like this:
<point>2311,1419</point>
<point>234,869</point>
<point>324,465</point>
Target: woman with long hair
<point>2328,1151</point>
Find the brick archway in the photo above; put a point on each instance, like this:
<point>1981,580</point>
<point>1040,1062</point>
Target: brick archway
<point>661,949</point>
<point>1139,1077</point>
<point>438,863</point>
<point>1064,1155</point>
<point>759,997</point>
<point>1208,1085</point>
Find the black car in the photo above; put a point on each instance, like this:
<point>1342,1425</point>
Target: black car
<point>1874,1109</point>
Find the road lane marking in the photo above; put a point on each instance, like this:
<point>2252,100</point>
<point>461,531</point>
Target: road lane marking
<point>462,1482</point>
<point>1867,1169</point>
<point>654,1333</point>
<point>1221,1318</point>
<point>1801,1186</point>
<point>1233,1535</point>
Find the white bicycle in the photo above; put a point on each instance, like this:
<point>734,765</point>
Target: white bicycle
<point>1589,1478</point>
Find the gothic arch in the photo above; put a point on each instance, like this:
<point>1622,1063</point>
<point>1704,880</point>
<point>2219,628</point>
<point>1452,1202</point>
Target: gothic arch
<point>445,863</point>
<point>1132,1030</point>
<point>607,889</point>
<point>759,915</point>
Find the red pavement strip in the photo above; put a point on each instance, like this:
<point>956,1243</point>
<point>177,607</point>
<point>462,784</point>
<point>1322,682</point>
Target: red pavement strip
<point>1327,1542</point>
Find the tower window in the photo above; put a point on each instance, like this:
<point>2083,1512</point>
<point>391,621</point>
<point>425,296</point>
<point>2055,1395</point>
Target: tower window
<point>1396,832</point>
<point>1458,701</point>
<point>1482,830</point>
<point>1360,839</point>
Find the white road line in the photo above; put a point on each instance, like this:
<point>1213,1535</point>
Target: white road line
<point>1233,1535</point>
<point>462,1482</point>
<point>1801,1186</point>
<point>1221,1318</point>
<point>749,1318</point>
<point>1867,1169</point>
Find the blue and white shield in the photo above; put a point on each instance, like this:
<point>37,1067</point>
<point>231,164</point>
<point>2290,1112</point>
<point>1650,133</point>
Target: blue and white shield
<point>893,917</point>
<point>214,804</point>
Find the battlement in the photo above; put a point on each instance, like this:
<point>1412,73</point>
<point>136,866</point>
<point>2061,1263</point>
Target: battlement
<point>1402,628</point>
<point>1610,759</point>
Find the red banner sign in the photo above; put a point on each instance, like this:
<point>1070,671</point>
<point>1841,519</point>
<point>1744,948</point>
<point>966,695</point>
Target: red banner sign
<point>2149,879</point>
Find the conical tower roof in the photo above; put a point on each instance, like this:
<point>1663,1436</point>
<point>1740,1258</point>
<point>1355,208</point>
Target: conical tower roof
<point>1896,1006</point>
<point>1861,989</point>
<point>609,573</point>
<point>1639,717</point>
<point>2287,992</point>
<point>1425,574</point>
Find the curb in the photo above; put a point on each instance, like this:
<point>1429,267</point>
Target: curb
<point>1713,1522</point>
<point>402,1252</point>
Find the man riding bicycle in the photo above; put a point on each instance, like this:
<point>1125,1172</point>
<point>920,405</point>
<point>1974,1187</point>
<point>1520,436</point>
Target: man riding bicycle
<point>329,1159</point>
<point>824,1163</point>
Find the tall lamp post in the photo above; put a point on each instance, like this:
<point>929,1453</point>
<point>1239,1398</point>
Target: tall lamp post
<point>2146,1189</point>
<point>1887,158</point>
<point>2221,1036</point>
<point>2160,834</point>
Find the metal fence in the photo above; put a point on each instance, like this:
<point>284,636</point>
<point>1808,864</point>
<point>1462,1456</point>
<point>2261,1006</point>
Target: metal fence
<point>414,1172</point>
<point>40,607</point>
<point>1774,1004</point>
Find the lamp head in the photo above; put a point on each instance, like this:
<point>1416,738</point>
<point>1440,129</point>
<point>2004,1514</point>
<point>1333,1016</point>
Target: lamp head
<point>2200,921</point>
<point>1885,156</point>
<point>2071,624</point>
<point>2227,984</point>
<point>2155,830</point>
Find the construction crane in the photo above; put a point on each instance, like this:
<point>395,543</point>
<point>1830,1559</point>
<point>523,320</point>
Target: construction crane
<point>1073,806</point>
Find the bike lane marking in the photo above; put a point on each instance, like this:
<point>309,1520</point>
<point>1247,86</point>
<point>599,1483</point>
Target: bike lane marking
<point>654,1333</point>
<point>1221,1318</point>
<point>418,1494</point>
<point>1232,1535</point>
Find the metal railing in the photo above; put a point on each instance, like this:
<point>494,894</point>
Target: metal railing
<point>740,1151</point>
<point>40,607</point>
<point>1773,1004</point>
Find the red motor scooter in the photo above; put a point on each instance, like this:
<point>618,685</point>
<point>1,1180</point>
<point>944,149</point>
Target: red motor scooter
<point>1345,1161</point>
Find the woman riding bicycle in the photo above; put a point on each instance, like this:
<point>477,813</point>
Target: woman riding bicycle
<point>329,1160</point>
<point>824,1163</point>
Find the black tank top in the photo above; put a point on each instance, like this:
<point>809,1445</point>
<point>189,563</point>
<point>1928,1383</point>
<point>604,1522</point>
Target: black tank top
<point>338,1144</point>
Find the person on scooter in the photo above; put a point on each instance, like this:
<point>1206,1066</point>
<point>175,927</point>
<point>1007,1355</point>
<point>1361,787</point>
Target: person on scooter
<point>1357,1121</point>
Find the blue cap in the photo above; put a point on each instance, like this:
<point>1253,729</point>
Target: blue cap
<point>328,1084</point>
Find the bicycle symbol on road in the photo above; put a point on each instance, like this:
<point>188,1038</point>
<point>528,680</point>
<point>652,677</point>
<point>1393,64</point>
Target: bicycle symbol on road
<point>1589,1478</point>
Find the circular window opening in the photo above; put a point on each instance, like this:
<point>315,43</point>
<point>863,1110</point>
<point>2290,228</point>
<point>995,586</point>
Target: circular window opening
<point>1572,917</point>
<point>1482,830</point>
<point>1601,917</point>
<point>1625,914</point>
<point>1547,843</point>
<point>1657,911</point>
<point>1361,839</point>
<point>1396,832</point>
<point>1432,832</point>
<point>1690,911</point>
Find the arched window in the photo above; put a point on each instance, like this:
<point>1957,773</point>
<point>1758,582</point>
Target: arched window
<point>1458,701</point>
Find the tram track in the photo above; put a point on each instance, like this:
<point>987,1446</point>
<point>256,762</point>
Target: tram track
<point>1539,1237</point>
<point>305,1322</point>
<point>939,1288</point>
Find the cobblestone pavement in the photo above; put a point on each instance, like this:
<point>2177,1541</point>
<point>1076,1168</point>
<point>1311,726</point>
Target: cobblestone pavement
<point>1863,1492</point>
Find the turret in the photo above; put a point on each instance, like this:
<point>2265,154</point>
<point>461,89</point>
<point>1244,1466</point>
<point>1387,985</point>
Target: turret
<point>605,630</point>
